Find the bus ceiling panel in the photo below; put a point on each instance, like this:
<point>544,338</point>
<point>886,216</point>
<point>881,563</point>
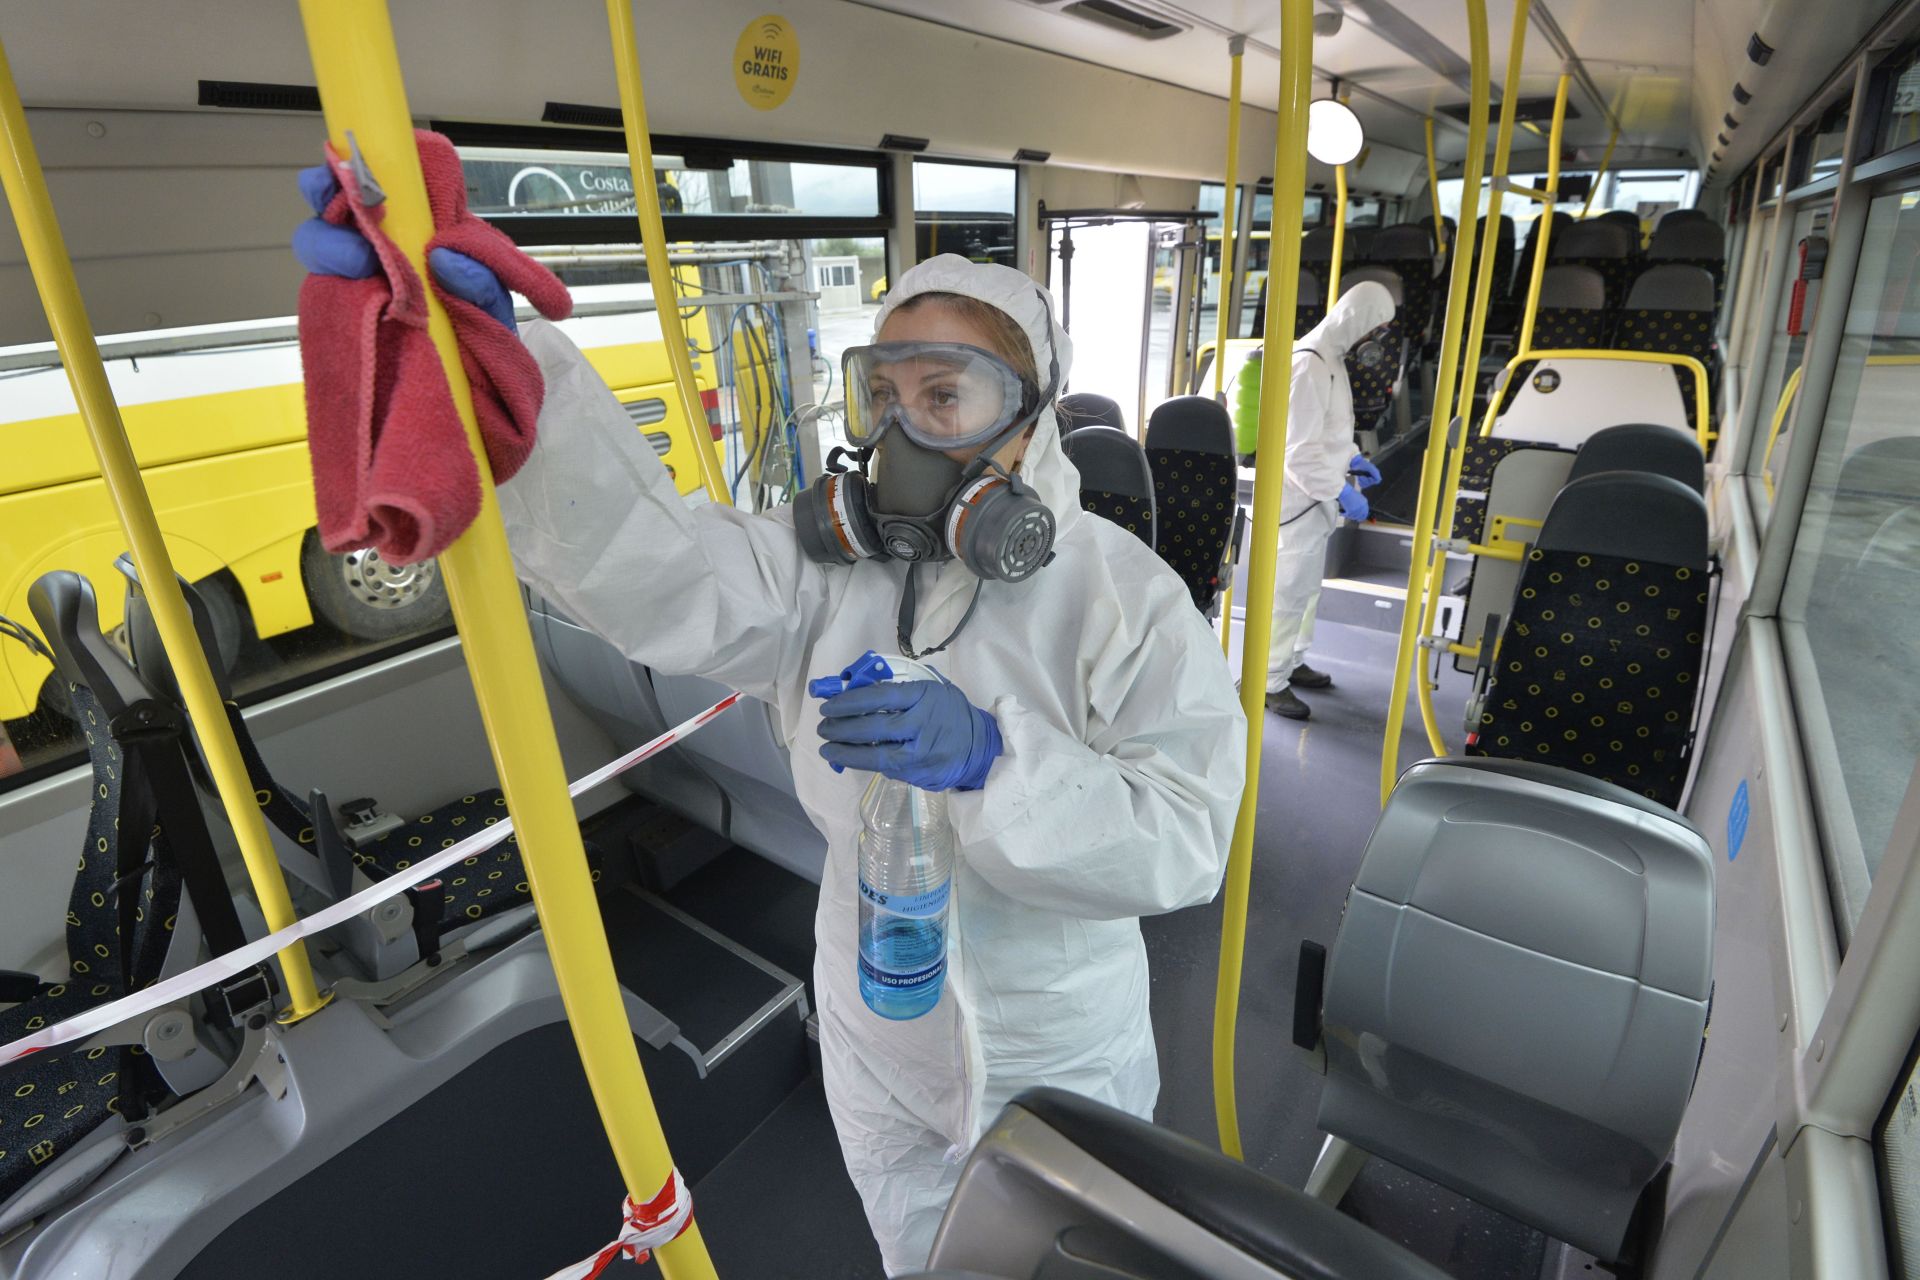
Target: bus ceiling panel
<point>1804,55</point>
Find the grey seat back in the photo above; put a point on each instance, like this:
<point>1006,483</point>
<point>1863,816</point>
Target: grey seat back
<point>1195,486</point>
<point>1572,315</point>
<point>1640,446</point>
<point>1084,408</point>
<point>1063,1186</point>
<point>1696,241</point>
<point>1606,246</point>
<point>1115,481</point>
<point>1516,1002</point>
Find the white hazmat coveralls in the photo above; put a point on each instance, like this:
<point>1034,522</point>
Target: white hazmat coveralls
<point>1115,798</point>
<point>1319,447</point>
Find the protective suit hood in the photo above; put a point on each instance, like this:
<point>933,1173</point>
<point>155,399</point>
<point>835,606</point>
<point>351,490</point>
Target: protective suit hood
<point>1360,311</point>
<point>1045,465</point>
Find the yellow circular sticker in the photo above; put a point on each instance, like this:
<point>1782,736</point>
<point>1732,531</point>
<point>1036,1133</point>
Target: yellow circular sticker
<point>766,62</point>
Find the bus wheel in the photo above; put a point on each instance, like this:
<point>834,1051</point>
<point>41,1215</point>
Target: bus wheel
<point>370,598</point>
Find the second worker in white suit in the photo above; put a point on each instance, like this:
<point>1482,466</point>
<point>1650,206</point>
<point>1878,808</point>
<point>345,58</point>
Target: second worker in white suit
<point>1320,454</point>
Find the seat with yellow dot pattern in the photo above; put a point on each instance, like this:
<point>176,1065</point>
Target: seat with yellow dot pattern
<point>1599,661</point>
<point>1572,316</point>
<point>1115,482</point>
<point>1195,488</point>
<point>1607,247</point>
<point>1670,310</point>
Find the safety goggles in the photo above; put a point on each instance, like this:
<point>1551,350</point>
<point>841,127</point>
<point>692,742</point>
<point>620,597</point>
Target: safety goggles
<point>944,395</point>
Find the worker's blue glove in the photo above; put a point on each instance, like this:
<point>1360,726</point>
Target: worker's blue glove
<point>1363,467</point>
<point>328,250</point>
<point>1352,505</point>
<point>923,732</point>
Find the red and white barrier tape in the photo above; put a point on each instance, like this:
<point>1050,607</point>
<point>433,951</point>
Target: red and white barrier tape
<point>643,1228</point>
<point>95,1020</point>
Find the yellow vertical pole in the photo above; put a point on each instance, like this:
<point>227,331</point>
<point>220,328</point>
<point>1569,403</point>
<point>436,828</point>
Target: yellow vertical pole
<point>1229,203</point>
<point>1606,158</point>
<point>358,72</point>
<point>1236,49</point>
<point>653,238</point>
<point>1544,233</point>
<point>1458,286</point>
<point>1339,234</point>
<point>1469,377</point>
<point>1433,191</point>
<point>1283,287</point>
<point>46,249</point>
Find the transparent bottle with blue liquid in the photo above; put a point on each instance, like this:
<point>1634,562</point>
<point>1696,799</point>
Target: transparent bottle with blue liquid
<point>906,871</point>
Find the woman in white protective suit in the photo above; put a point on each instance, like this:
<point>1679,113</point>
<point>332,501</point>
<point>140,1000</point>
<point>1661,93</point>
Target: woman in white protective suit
<point>1094,759</point>
<point>1320,454</point>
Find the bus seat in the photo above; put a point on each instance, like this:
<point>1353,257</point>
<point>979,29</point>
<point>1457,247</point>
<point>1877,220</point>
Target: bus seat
<point>1670,310</point>
<point>1524,268</point>
<point>146,877</point>
<point>1373,369</point>
<point>1309,307</point>
<point>1516,1001</point>
<point>1628,220</point>
<point>1407,248</point>
<point>1083,408</point>
<point>1195,485</point>
<point>1642,446</point>
<point>1607,247</point>
<point>1063,1186</point>
<point>1697,242</point>
<point>1316,255</point>
<point>1572,315</point>
<point>1115,481</point>
<point>1678,216</point>
<point>1597,665</point>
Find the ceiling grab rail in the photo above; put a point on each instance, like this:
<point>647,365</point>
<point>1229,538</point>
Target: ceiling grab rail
<point>1434,464</point>
<point>1283,295</point>
<point>25,185</point>
<point>1470,373</point>
<point>1229,281</point>
<point>357,70</point>
<point>1433,192</point>
<point>653,238</point>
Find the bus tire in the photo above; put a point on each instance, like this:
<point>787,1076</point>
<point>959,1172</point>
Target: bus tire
<point>369,598</point>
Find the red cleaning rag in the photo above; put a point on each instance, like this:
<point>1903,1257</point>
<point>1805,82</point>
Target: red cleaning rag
<point>391,466</point>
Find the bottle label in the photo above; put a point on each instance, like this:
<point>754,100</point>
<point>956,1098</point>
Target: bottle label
<point>914,906</point>
<point>903,981</point>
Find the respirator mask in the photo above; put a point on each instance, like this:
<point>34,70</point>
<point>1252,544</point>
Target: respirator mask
<point>909,406</point>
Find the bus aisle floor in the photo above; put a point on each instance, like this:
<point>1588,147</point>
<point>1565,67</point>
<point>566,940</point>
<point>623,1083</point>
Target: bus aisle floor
<point>1319,796</point>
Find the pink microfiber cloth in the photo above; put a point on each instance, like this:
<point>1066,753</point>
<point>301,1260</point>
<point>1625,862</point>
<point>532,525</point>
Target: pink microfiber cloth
<point>391,466</point>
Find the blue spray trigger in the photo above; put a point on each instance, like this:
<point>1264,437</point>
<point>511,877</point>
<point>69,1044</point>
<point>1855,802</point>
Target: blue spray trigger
<point>869,669</point>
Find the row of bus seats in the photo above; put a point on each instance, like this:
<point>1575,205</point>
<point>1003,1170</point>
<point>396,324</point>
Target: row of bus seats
<point>1511,1008</point>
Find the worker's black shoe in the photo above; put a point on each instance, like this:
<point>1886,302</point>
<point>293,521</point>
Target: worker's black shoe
<point>1286,704</point>
<point>1307,678</point>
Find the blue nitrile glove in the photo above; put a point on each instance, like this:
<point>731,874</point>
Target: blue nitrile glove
<point>1352,505</point>
<point>1363,467</point>
<point>922,732</point>
<point>327,250</point>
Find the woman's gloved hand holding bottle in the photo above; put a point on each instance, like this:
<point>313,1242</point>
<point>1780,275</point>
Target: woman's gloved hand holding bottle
<point>921,737</point>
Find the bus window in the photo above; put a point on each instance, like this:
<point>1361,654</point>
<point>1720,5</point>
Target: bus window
<point>965,209</point>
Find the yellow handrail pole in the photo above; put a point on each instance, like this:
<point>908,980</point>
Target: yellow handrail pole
<point>1432,467</point>
<point>1606,158</point>
<point>1544,234</point>
<point>1692,365</point>
<point>1469,375</point>
<point>358,72</point>
<point>1283,289</point>
<point>1339,235</point>
<point>1236,49</point>
<point>653,237</point>
<point>46,249</point>
<point>1433,191</point>
<point>1780,409</point>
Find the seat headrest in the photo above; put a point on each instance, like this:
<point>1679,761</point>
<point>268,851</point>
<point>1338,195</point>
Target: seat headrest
<point>1690,239</point>
<point>1505,231</point>
<point>1594,239</point>
<point>1672,286</point>
<point>1675,217</point>
<point>1379,274</point>
<point>1629,220</point>
<point>1085,409</point>
<point>1642,446</point>
<point>1317,245</point>
<point>1571,287</point>
<point>1403,242</point>
<point>1196,423</point>
<point>1109,461</point>
<point>1632,515</point>
<point>1360,243</point>
<point>1309,290</point>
